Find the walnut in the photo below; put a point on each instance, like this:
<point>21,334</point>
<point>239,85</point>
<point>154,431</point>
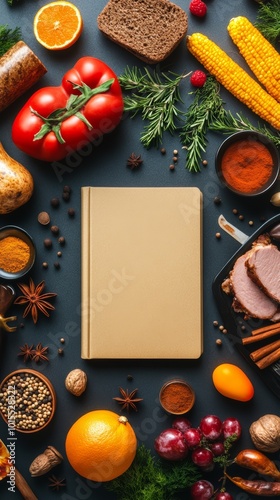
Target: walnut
<point>76,382</point>
<point>265,433</point>
<point>44,462</point>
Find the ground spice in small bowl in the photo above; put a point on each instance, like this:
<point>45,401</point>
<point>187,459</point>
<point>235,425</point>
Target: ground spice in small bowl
<point>17,252</point>
<point>247,163</point>
<point>27,400</point>
<point>177,397</point>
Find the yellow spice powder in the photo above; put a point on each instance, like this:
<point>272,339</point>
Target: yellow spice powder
<point>14,254</point>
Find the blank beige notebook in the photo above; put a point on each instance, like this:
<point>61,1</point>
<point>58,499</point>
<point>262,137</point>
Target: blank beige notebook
<point>141,273</point>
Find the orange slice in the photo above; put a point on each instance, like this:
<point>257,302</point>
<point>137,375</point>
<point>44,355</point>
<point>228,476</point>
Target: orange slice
<point>58,25</point>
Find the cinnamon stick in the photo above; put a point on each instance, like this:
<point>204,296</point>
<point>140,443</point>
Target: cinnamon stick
<point>269,359</point>
<point>260,336</point>
<point>275,326</point>
<point>265,350</point>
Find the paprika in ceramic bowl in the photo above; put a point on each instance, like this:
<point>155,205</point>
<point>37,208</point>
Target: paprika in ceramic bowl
<point>177,397</point>
<point>247,163</point>
<point>17,252</point>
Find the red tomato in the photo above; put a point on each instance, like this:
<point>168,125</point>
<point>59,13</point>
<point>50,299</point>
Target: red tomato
<point>56,121</point>
<point>232,382</point>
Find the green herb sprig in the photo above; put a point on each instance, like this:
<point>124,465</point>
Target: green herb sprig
<point>204,109</point>
<point>155,96</point>
<point>8,38</point>
<point>268,20</point>
<point>226,123</point>
<point>150,479</point>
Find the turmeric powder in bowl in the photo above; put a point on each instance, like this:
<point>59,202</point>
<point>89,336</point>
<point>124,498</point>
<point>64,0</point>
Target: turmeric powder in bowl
<point>17,252</point>
<point>247,163</point>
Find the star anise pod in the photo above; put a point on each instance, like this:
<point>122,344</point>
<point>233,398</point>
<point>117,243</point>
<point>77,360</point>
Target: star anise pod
<point>128,400</point>
<point>56,483</point>
<point>26,351</point>
<point>35,299</point>
<point>39,353</point>
<point>134,161</point>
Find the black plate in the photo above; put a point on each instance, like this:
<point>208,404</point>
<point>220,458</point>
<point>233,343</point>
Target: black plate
<point>234,322</point>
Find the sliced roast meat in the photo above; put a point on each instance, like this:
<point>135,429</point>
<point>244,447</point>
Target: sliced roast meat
<point>263,267</point>
<point>248,297</point>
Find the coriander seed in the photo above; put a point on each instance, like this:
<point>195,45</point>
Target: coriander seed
<point>175,152</point>
<point>241,217</point>
<point>43,218</point>
<point>251,223</point>
<point>219,341</point>
<point>204,163</point>
<point>171,167</point>
<point>218,236</point>
<point>163,151</point>
<point>45,265</point>
<point>59,254</point>
<point>215,323</point>
<point>235,211</point>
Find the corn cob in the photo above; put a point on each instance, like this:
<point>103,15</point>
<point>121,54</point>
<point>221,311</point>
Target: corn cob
<point>234,78</point>
<point>261,57</point>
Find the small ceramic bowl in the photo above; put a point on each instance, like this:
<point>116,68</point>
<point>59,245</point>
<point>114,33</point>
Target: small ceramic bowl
<point>17,232</point>
<point>40,400</point>
<point>234,141</point>
<point>177,397</point>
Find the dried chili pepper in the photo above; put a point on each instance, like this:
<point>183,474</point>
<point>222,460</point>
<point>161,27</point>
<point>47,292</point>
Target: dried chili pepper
<point>257,487</point>
<point>258,462</point>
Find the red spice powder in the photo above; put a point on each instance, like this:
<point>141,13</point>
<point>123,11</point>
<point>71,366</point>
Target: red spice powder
<point>177,397</point>
<point>247,165</point>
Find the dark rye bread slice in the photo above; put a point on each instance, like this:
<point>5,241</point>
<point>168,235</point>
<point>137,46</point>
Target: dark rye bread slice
<point>150,29</point>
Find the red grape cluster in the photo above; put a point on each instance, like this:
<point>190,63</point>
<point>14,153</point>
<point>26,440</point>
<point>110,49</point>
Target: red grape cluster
<point>203,444</point>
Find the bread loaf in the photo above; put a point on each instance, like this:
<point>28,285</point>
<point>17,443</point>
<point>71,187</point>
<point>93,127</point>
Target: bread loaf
<point>150,29</point>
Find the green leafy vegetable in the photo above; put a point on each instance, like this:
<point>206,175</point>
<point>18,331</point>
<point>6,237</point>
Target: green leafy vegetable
<point>268,20</point>
<point>8,38</point>
<point>150,479</point>
<point>155,96</point>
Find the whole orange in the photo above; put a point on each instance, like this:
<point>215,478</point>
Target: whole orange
<point>101,445</point>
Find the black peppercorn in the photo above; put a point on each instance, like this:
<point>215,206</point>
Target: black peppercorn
<point>61,240</point>
<point>71,212</point>
<point>217,200</point>
<point>60,351</point>
<point>66,196</point>
<point>172,167</point>
<point>163,151</point>
<point>57,265</point>
<point>55,202</point>
<point>55,229</point>
<point>67,189</point>
<point>48,243</point>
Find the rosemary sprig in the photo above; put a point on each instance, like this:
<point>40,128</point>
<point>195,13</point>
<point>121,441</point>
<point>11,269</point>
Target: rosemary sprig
<point>204,109</point>
<point>268,20</point>
<point>8,38</point>
<point>226,123</point>
<point>155,96</point>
